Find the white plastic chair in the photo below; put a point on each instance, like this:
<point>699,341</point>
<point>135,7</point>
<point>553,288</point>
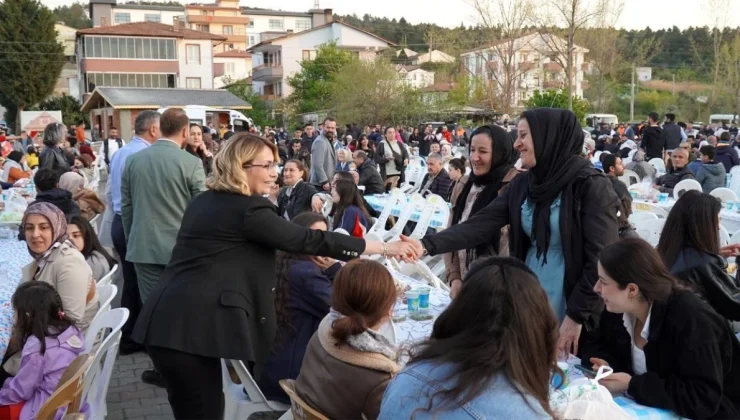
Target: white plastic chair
<point>630,177</point>
<point>724,236</point>
<point>650,230</point>
<point>638,207</point>
<point>734,238</point>
<point>734,179</point>
<point>686,185</point>
<point>105,297</point>
<point>724,194</point>
<point>326,208</point>
<point>97,378</point>
<point>643,215</point>
<point>94,223</point>
<point>431,205</point>
<point>108,278</point>
<point>417,201</point>
<point>240,406</point>
<point>658,164</point>
<point>395,198</point>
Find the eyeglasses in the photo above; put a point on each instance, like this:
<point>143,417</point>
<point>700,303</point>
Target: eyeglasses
<point>269,166</point>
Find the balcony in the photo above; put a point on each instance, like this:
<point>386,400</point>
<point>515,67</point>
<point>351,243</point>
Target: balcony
<point>526,66</point>
<point>552,84</point>
<point>492,65</point>
<point>268,72</point>
<point>235,20</point>
<point>553,67</point>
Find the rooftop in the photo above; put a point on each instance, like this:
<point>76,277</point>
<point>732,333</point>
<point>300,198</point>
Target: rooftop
<point>440,87</point>
<point>154,29</point>
<point>268,12</point>
<point>232,54</point>
<point>153,98</point>
<point>315,28</point>
<point>151,7</point>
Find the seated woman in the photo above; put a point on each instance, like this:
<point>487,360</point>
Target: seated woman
<point>90,203</point>
<point>197,147</point>
<point>13,169</point>
<point>302,300</point>
<point>50,341</point>
<point>348,362</point>
<point>295,197</point>
<point>349,211</point>
<point>490,354</point>
<point>58,263</point>
<point>82,235</point>
<point>689,247</point>
<point>669,349</point>
<point>343,160</point>
<point>84,165</point>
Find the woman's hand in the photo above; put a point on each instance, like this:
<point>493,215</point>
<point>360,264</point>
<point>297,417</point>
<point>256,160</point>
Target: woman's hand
<point>402,249</point>
<point>316,204</point>
<point>405,162</point>
<point>730,250</point>
<point>455,287</point>
<point>416,244</point>
<point>324,263</point>
<point>596,363</point>
<point>616,382</point>
<point>205,150</point>
<point>570,331</point>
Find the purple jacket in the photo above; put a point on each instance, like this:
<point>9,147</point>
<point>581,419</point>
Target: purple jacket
<point>39,374</point>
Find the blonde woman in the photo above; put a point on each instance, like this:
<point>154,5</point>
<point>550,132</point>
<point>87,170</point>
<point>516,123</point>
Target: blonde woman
<point>215,298</point>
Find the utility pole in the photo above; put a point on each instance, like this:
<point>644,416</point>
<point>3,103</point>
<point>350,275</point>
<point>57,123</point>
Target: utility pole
<point>632,95</point>
<point>674,85</point>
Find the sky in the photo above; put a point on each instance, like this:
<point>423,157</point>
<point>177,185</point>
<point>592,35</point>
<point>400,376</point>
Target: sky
<point>636,13</point>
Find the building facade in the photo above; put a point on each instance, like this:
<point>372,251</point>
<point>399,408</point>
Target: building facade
<point>223,18</point>
<point>67,81</point>
<point>415,76</point>
<point>230,66</point>
<point>144,55</point>
<point>108,12</point>
<point>266,24</point>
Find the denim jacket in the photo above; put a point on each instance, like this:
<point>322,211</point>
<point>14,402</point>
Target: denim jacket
<point>410,392</point>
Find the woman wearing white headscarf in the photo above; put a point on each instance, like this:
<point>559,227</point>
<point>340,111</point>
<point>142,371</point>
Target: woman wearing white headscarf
<point>90,204</point>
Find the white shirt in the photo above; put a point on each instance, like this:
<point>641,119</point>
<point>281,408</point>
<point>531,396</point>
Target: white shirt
<point>639,366</point>
<point>112,148</point>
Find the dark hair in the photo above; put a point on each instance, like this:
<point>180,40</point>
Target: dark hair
<point>364,292</point>
<point>654,116</point>
<point>69,157</point>
<point>344,176</point>
<point>15,156</point>
<point>724,137</point>
<point>31,149</point>
<point>385,132</point>
<point>283,262</point>
<point>328,119</point>
<point>608,160</point>
<point>500,323</point>
<point>632,260</point>
<point>172,121</point>
<point>86,160</point>
<point>671,117</point>
<point>308,125</point>
<point>92,243</point>
<point>458,163</point>
<point>692,223</point>
<point>46,179</point>
<point>349,195</point>
<point>72,141</point>
<point>113,128</point>
<point>301,167</point>
<point>708,151</point>
<point>39,313</point>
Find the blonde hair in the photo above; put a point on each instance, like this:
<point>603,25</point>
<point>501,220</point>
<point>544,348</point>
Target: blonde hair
<point>228,166</point>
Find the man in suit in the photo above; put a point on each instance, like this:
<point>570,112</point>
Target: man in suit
<point>437,180</point>
<point>323,156</point>
<point>157,186</point>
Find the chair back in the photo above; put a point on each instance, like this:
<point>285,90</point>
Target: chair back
<point>724,236</point>
<point>735,238</point>
<point>686,185</point>
<point>112,320</point>
<point>630,177</point>
<point>395,198</point>
<point>724,194</point>
<point>734,179</point>
<point>68,392</point>
<point>97,378</point>
<point>658,164</point>
<point>416,202</point>
<point>108,278</point>
<point>650,230</point>
<point>638,207</point>
<point>643,215</point>
<point>94,222</point>
<point>301,410</point>
<point>250,386</point>
<point>105,297</point>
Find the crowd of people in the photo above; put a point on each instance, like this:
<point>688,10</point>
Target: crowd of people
<point>226,253</point>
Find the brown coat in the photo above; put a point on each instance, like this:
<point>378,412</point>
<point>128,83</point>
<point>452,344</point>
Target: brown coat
<point>341,382</point>
<point>90,204</point>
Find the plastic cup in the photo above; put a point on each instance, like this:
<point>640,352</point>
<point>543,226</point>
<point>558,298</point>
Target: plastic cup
<point>662,197</point>
<point>399,314</point>
<point>737,206</point>
<point>730,204</point>
<point>423,297</point>
<point>412,301</point>
<point>634,195</point>
<point>560,382</point>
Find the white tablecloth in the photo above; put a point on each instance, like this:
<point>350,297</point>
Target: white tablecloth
<point>13,257</point>
<point>378,203</point>
<point>730,219</point>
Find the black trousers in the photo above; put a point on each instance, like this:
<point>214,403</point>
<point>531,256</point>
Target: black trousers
<point>194,384</point>
<point>130,298</point>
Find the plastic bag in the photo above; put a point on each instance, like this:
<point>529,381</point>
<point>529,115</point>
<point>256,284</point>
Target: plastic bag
<point>585,399</point>
<point>15,206</point>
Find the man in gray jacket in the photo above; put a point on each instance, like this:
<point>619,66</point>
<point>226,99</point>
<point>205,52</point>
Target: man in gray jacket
<point>710,174</point>
<point>323,156</point>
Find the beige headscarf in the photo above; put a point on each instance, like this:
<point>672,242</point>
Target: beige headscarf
<point>72,182</point>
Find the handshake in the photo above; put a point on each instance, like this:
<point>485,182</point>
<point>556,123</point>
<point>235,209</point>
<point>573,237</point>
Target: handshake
<point>406,249</point>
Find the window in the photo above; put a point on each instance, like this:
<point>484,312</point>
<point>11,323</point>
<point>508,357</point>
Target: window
<point>193,54</point>
<point>302,24</point>
<point>230,68</point>
<point>251,40</point>
<point>250,24</point>
<point>130,80</point>
<point>120,47</point>
<point>152,18</point>
<point>228,30</point>
<point>276,24</point>
<point>192,82</point>
<point>122,18</point>
<point>309,54</point>
<point>523,58</point>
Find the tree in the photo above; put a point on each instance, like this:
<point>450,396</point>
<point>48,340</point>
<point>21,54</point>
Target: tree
<point>371,92</point>
<point>73,15</point>
<point>559,99</point>
<point>31,59</point>
<point>310,85</point>
<point>730,55</point>
<point>260,112</point>
<point>70,107</point>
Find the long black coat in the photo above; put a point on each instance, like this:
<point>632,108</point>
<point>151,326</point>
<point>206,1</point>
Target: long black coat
<point>298,201</point>
<point>692,359</point>
<point>216,297</point>
<point>588,223</point>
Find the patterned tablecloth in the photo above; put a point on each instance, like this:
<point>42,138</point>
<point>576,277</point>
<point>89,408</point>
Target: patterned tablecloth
<point>378,203</point>
<point>409,330</point>
<point>13,257</point>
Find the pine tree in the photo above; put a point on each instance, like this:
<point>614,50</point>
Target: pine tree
<point>31,59</point>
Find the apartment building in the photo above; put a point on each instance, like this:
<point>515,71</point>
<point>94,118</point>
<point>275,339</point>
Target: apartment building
<point>222,18</point>
<point>267,24</point>
<point>536,64</point>
<point>230,66</point>
<point>144,55</point>
<point>415,76</point>
<point>67,81</point>
<point>109,12</point>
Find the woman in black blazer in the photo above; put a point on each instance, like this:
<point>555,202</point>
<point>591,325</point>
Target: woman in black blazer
<point>295,197</point>
<point>216,297</point>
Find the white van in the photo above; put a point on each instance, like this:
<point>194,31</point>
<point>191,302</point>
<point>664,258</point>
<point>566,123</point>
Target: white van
<point>204,115</point>
<point>718,119</point>
<point>593,120</point>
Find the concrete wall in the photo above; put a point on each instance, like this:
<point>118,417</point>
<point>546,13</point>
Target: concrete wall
<point>242,69</point>
<point>204,70</point>
<point>262,24</point>
<point>139,15</point>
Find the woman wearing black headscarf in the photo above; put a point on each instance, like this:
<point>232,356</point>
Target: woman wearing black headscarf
<point>492,166</point>
<point>561,213</point>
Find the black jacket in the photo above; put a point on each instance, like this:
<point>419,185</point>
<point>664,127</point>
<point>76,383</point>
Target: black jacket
<point>692,358</point>
<point>588,213</point>
<point>370,178</point>
<point>728,156</point>
<point>60,198</point>
<point>653,142</point>
<point>53,158</point>
<point>667,182</point>
<point>671,136</point>
<point>216,296</point>
<point>299,201</point>
<point>440,184</point>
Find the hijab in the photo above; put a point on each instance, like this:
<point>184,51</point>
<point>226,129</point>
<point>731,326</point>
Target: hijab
<point>72,182</point>
<point>558,141</point>
<point>58,227</point>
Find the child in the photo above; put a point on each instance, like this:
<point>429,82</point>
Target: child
<point>50,342</point>
<point>32,157</point>
<point>349,212</point>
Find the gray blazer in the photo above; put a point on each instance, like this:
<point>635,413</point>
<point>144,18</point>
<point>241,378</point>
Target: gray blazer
<point>323,161</point>
<point>157,185</point>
